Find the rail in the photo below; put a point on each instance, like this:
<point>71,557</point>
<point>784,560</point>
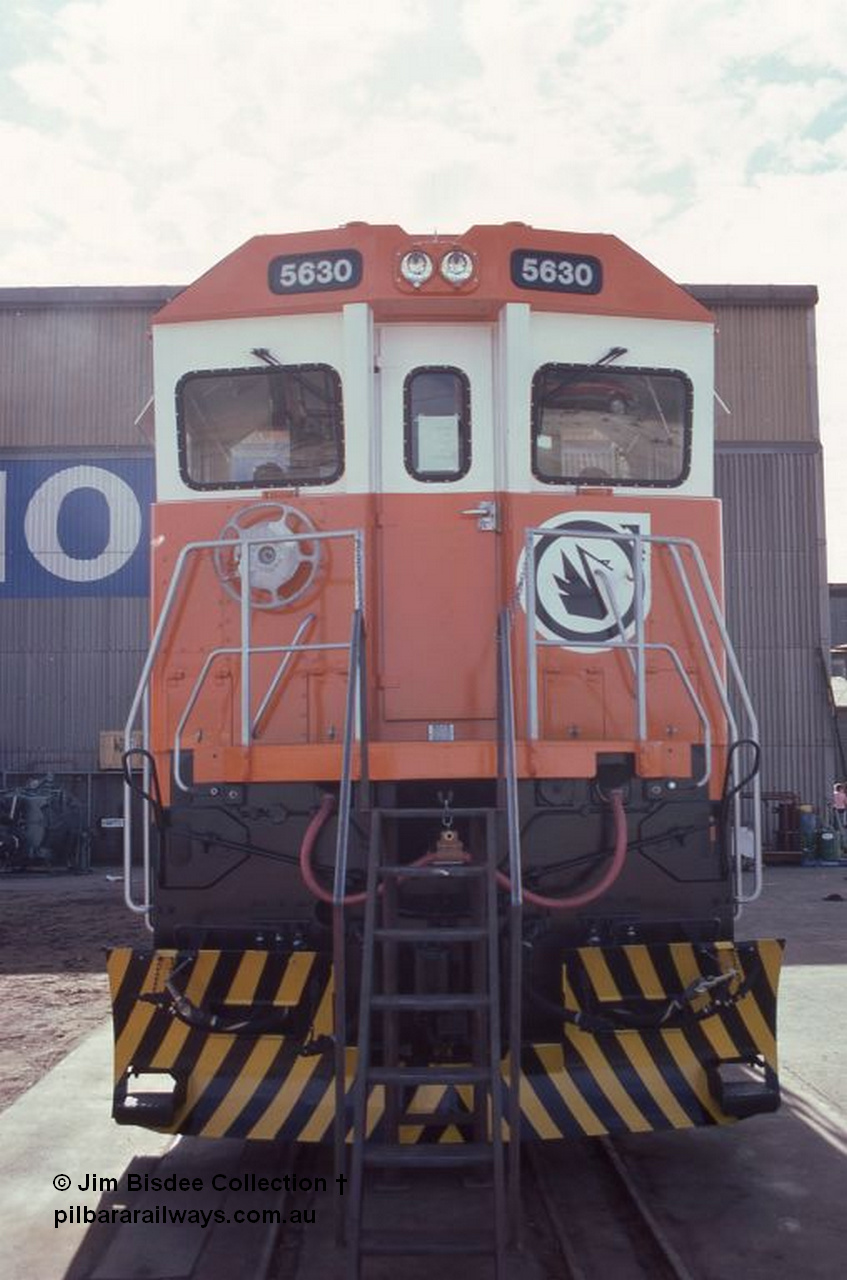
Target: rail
<point>355,726</point>
<point>638,647</point>
<point>509,781</point>
<point>245,651</point>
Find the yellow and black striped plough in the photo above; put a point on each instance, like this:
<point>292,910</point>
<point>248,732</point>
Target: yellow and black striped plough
<point>240,1044</point>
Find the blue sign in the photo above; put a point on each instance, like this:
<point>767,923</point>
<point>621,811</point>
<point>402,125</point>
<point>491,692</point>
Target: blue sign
<point>75,528</point>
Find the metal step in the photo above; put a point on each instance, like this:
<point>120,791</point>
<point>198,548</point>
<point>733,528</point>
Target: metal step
<point>421,1155</point>
<point>414,1001</point>
<point>427,1119</point>
<point>436,871</point>
<point>429,811</point>
<point>434,1074</point>
<point>435,934</point>
<point>388,928</point>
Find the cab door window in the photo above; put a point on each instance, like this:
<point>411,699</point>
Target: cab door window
<point>437,423</point>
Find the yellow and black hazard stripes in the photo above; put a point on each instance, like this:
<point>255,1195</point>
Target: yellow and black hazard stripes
<point>236,1079</point>
<point>643,1030</point>
<point>647,1025</point>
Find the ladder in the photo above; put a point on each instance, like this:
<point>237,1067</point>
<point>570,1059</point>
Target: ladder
<point>457,921</point>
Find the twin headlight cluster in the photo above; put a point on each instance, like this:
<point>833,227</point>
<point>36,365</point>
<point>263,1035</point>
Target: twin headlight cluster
<point>456,266</point>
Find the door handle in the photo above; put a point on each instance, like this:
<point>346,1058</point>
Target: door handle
<point>487,514</point>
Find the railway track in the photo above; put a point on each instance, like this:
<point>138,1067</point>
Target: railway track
<point>202,1211</point>
<point>584,1214</point>
<point>585,1218</point>
<point>599,1217</point>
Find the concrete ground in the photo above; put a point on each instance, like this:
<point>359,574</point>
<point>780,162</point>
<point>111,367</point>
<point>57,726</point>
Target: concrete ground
<point>808,907</point>
<point>765,1197</point>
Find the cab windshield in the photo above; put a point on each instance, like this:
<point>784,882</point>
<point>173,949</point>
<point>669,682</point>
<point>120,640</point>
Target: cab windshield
<point>593,425</point>
<point>260,428</point>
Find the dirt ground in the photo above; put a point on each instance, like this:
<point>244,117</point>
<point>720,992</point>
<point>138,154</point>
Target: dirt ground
<point>54,930</point>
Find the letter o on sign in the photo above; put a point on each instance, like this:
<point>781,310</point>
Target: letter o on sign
<point>42,519</point>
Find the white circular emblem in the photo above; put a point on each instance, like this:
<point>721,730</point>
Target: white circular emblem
<point>585,577</point>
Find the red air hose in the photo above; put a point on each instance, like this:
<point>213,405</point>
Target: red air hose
<point>307,849</point>
<point>538,900</point>
<point>605,882</point>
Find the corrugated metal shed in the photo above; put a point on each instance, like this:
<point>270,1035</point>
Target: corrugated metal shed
<point>765,368</point>
<point>75,372</point>
<point>775,593</point>
<point>75,366</point>
<point>769,474</point>
<point>69,670</point>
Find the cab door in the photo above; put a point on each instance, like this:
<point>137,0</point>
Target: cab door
<point>437,521</point>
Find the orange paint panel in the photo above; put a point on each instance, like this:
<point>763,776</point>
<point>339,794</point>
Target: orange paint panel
<point>238,285</point>
<point>432,599</point>
<point>565,691</point>
<point>570,703</point>
<point>438,623</point>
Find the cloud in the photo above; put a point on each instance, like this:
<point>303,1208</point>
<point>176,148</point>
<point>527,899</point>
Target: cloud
<point>142,142</point>
<point>275,116</point>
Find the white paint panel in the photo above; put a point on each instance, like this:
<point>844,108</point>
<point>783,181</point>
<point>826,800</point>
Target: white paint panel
<point>402,348</point>
<point>665,344</point>
<point>500,364</point>
<point>357,389</point>
<point>227,344</point>
<point>514,382</point>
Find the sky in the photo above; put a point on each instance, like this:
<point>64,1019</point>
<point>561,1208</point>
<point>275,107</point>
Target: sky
<point>142,140</point>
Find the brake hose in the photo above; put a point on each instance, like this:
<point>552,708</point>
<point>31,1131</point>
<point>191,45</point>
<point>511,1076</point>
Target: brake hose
<point>605,882</point>
<point>307,849</point>
<point>538,900</point>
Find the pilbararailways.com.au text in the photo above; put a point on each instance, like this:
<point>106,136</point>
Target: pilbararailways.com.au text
<point>79,1214</point>
<point>116,1215</point>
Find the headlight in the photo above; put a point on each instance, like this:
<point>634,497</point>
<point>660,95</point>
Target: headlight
<point>457,267</point>
<point>416,267</point>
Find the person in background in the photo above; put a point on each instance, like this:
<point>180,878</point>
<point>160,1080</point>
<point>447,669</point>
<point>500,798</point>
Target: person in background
<point>839,806</point>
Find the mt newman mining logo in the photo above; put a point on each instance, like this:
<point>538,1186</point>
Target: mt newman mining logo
<point>585,577</point>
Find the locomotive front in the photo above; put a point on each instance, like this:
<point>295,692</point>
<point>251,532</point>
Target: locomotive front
<point>447,764</point>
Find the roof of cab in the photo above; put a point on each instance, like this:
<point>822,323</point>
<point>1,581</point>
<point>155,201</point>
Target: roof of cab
<point>240,285</point>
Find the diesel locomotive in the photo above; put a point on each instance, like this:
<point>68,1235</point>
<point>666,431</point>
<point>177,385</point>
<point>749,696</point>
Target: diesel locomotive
<point>446,806</point>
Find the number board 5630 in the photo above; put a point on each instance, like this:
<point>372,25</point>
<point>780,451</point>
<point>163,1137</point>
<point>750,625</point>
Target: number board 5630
<point>556,272</point>
<point>315,272</point>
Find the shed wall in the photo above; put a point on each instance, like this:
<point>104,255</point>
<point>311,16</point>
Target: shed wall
<point>69,669</point>
<point>74,372</point>
<point>775,604</point>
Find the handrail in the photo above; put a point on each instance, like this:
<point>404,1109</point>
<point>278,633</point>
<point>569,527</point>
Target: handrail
<point>509,776</point>
<point>351,715</point>
<point>246,650</point>
<point>681,672</point>
<point>675,546</point>
<point>279,673</point>
<point>741,690</point>
<point>353,712</point>
<point>288,650</point>
<point>509,761</point>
